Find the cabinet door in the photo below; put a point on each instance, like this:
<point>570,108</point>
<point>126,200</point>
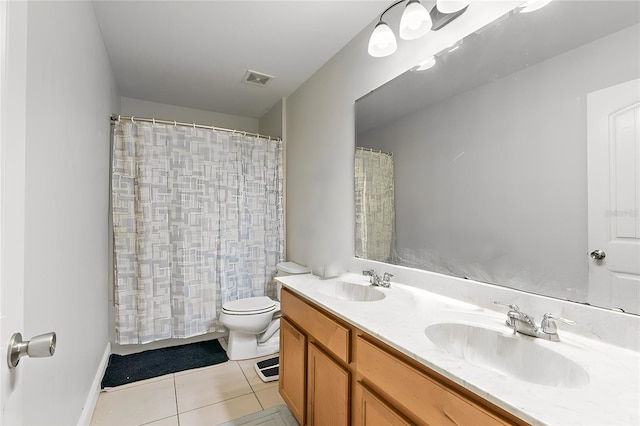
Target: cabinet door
<point>374,411</point>
<point>293,352</point>
<point>327,391</point>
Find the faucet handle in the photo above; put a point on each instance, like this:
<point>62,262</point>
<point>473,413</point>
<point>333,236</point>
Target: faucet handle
<point>549,325</point>
<point>513,307</point>
<point>386,277</point>
<point>369,272</point>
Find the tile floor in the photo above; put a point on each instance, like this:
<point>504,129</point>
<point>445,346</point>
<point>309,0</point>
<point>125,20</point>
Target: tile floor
<point>205,396</point>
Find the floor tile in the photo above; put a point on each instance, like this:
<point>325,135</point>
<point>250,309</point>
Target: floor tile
<point>136,405</point>
<point>169,421</point>
<point>209,386</point>
<point>221,412</point>
<point>269,397</point>
<point>250,373</point>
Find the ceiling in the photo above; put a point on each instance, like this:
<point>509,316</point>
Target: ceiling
<point>195,53</point>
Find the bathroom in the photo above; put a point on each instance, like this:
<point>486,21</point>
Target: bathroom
<point>55,217</point>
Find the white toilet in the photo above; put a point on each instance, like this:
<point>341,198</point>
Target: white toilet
<point>254,322</point>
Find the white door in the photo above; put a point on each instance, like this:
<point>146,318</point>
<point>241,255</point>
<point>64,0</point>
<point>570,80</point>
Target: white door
<point>614,196</point>
<point>13,52</point>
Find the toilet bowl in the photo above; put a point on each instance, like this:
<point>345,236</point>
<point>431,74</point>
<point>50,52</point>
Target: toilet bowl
<point>254,322</point>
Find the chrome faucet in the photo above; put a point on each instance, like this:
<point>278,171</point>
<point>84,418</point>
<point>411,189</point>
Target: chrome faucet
<point>376,280</point>
<point>520,322</point>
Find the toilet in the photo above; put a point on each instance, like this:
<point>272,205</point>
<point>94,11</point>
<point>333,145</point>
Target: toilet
<point>254,322</point>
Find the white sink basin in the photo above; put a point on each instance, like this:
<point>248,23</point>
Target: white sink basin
<point>348,291</point>
<point>515,356</point>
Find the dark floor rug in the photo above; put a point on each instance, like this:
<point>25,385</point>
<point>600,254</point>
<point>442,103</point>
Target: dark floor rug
<point>123,369</point>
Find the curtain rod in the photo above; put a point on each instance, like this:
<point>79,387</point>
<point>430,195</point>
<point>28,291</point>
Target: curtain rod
<point>117,118</point>
<point>390,154</point>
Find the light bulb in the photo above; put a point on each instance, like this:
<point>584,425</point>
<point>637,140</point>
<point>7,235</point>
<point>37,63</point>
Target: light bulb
<point>426,64</point>
<point>451,6</point>
<point>415,21</point>
<point>533,5</point>
<point>382,41</point>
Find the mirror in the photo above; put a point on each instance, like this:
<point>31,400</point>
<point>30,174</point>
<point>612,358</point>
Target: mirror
<point>489,154</point>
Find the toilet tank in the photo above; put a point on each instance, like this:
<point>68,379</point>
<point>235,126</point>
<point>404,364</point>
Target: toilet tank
<point>288,268</point>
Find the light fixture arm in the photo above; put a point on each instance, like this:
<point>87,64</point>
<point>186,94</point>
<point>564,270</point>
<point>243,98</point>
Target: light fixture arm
<point>389,8</point>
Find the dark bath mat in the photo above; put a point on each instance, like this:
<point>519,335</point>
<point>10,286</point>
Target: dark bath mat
<point>123,369</point>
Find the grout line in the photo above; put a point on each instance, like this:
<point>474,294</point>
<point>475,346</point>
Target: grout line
<point>220,402</point>
<point>175,393</point>
<point>153,421</point>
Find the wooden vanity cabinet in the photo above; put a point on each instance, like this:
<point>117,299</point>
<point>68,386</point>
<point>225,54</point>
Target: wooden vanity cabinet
<point>419,393</point>
<point>332,373</point>
<point>318,348</point>
<point>327,389</point>
<point>373,410</point>
<point>293,359</point>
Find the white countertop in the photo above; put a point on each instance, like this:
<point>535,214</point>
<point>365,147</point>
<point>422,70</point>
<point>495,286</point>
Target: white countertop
<point>611,397</point>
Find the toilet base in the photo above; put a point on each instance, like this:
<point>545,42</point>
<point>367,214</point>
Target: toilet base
<point>242,345</point>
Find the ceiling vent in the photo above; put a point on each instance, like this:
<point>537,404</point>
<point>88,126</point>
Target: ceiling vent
<point>256,78</point>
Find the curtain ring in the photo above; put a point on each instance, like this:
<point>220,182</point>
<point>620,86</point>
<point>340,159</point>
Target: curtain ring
<point>118,118</point>
<point>132,120</point>
<point>174,123</point>
<point>154,121</point>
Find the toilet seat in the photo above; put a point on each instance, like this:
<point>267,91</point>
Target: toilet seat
<point>250,306</point>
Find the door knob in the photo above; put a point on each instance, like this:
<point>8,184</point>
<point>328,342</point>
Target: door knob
<point>40,346</point>
<point>597,254</point>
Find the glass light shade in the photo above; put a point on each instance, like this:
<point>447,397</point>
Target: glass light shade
<point>451,6</point>
<point>415,21</point>
<point>533,5</point>
<point>382,41</point>
<point>426,64</point>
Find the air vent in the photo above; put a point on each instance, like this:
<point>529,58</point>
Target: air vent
<point>257,78</point>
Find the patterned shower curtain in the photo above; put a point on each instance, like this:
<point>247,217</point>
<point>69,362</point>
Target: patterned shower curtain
<point>374,205</point>
<point>197,221</point>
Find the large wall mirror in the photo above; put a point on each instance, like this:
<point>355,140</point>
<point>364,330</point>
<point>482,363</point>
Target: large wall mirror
<point>494,164</point>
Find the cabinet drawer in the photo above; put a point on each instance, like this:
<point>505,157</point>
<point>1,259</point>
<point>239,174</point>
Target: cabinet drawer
<point>420,395</point>
<point>374,411</point>
<point>333,336</point>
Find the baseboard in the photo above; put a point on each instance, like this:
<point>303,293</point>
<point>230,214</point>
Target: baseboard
<point>94,391</point>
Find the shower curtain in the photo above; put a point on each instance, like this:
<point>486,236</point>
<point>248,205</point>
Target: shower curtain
<point>374,205</point>
<point>197,221</point>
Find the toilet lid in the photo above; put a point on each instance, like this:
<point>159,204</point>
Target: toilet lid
<point>250,305</point>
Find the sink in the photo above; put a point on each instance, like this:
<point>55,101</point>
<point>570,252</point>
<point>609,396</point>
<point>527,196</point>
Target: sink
<point>352,292</point>
<point>515,356</point>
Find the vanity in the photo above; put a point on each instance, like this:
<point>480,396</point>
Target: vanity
<point>356,354</point>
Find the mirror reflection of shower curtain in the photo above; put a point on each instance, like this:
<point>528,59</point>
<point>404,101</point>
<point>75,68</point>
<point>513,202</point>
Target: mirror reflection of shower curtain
<point>374,205</point>
<point>197,221</point>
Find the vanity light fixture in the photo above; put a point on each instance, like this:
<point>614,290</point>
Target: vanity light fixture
<point>382,41</point>
<point>431,60</point>
<point>533,5</point>
<point>426,64</point>
<point>416,21</point>
<point>451,6</point>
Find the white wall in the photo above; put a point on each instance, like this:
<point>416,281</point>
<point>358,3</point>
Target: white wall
<point>141,108</point>
<point>271,122</point>
<point>467,192</point>
<point>320,138</point>
<point>70,95</point>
